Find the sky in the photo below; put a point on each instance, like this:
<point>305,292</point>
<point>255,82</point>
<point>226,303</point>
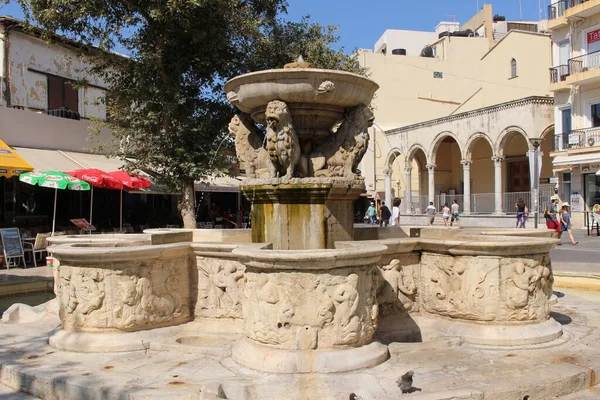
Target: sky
<point>362,22</point>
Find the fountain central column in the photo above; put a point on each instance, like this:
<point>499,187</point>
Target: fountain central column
<point>302,216</point>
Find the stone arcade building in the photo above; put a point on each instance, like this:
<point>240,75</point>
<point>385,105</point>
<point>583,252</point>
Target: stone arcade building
<point>458,154</point>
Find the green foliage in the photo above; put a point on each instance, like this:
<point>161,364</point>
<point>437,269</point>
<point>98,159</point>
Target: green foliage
<point>165,103</point>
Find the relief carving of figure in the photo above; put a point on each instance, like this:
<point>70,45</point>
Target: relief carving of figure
<point>282,143</point>
<point>346,301</point>
<point>85,294</point>
<point>342,152</point>
<point>228,291</point>
<point>249,147</point>
<point>129,313</point>
<point>525,294</point>
<point>398,289</point>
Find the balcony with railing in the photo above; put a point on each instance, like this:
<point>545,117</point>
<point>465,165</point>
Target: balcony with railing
<point>558,78</point>
<point>584,69</point>
<point>557,9</point>
<point>582,138</point>
<point>582,8</point>
<point>561,141</point>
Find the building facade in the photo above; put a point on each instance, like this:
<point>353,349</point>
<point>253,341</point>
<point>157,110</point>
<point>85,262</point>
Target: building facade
<point>575,82</point>
<point>458,123</point>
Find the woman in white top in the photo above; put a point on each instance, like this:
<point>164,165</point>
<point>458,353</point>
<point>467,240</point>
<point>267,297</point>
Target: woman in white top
<point>395,219</point>
<point>446,214</point>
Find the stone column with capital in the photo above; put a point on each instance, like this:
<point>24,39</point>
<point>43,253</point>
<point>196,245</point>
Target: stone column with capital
<point>431,170</point>
<point>498,184</point>
<point>408,190</point>
<point>467,186</point>
<point>388,187</point>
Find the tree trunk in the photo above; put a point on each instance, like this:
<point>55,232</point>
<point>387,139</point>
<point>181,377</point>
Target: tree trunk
<point>187,206</point>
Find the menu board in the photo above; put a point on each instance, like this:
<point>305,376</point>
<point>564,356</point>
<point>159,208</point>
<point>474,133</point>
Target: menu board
<point>11,241</point>
<point>82,223</point>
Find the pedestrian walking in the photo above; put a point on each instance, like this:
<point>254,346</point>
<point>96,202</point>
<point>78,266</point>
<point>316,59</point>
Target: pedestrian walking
<point>396,213</point>
<point>372,213</point>
<point>522,212</point>
<point>446,214</point>
<point>565,222</point>
<point>385,215</point>
<point>550,213</point>
<point>455,214</point>
<point>430,211</point>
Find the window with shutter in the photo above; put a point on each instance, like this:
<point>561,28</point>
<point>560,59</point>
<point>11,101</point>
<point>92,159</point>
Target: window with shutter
<point>62,93</point>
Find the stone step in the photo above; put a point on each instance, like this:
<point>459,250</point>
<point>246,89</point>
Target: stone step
<point>7,393</point>
<point>592,393</point>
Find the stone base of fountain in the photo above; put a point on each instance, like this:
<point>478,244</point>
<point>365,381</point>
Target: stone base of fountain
<point>308,213</point>
<point>270,359</point>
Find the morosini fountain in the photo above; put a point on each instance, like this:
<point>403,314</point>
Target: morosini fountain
<point>298,294</point>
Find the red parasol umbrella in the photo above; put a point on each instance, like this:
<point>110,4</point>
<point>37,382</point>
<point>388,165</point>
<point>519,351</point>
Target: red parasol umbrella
<point>97,178</point>
<point>129,182</point>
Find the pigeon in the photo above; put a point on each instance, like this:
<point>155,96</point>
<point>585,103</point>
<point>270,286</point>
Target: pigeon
<point>354,396</point>
<point>405,382</point>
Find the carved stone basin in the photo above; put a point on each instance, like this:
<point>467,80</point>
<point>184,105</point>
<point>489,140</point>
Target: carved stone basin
<point>317,98</point>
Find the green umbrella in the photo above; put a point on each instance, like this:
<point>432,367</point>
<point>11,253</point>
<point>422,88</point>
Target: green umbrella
<point>56,180</point>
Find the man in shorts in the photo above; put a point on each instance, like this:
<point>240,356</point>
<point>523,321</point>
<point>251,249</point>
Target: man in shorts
<point>551,217</point>
<point>455,213</point>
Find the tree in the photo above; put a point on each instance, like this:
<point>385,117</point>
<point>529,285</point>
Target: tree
<point>165,105</point>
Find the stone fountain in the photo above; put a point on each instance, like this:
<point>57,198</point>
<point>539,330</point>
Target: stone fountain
<point>297,293</point>
<point>302,173</point>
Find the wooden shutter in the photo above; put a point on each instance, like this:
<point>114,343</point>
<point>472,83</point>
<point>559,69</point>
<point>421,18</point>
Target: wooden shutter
<point>55,92</point>
<point>71,97</point>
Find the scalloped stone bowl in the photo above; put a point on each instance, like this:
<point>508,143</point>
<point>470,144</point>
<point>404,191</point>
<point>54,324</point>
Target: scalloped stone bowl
<point>317,98</point>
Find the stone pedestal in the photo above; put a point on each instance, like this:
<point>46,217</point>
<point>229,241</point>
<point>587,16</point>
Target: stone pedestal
<point>310,311</point>
<point>294,216</point>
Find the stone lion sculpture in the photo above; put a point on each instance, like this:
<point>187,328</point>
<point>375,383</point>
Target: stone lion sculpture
<point>339,156</point>
<point>282,143</point>
<point>251,153</point>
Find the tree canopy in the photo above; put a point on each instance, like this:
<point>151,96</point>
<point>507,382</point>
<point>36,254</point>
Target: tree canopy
<point>165,103</point>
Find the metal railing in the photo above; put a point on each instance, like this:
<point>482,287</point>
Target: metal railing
<point>584,62</point>
<point>561,141</point>
<point>559,73</point>
<point>556,10</point>
<point>588,137</point>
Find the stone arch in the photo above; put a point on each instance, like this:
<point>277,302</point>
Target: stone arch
<point>391,157</point>
<point>473,139</point>
<point>410,154</point>
<point>505,135</point>
<point>431,156</point>
<point>546,131</point>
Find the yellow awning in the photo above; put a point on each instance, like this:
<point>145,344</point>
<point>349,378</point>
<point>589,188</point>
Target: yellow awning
<point>12,164</point>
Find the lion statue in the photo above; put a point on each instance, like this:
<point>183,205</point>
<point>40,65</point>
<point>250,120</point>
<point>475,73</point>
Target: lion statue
<point>340,154</point>
<point>282,143</point>
<point>249,147</point>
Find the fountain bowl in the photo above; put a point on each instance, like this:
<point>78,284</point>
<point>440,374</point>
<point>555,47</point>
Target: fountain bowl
<point>317,98</point>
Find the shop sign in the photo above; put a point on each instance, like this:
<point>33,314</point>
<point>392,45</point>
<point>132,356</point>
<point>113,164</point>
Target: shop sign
<point>576,203</point>
<point>573,138</point>
<point>593,36</point>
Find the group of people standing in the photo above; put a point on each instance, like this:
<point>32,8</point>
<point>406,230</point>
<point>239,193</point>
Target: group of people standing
<point>451,215</point>
<point>384,216</point>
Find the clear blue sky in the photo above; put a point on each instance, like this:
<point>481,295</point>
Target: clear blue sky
<point>362,22</point>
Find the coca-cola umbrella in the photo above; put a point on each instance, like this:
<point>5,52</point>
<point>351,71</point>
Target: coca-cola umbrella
<point>56,180</point>
<point>129,182</point>
<point>99,179</point>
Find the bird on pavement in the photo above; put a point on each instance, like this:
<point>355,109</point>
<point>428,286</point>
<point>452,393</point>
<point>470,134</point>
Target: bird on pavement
<point>405,382</point>
<point>354,396</point>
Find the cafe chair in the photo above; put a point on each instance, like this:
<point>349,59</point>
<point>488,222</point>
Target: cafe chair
<point>37,247</point>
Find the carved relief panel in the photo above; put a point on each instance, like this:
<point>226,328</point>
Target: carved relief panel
<point>125,296</point>
<point>460,287</point>
<point>309,310</point>
<point>220,288</point>
<point>397,291</point>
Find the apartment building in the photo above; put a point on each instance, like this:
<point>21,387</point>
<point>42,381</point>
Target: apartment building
<point>575,82</point>
<point>457,119</point>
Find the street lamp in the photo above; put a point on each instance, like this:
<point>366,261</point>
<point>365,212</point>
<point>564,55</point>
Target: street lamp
<point>535,187</point>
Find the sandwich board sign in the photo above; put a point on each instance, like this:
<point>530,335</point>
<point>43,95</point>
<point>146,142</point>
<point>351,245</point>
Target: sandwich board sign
<point>12,246</point>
